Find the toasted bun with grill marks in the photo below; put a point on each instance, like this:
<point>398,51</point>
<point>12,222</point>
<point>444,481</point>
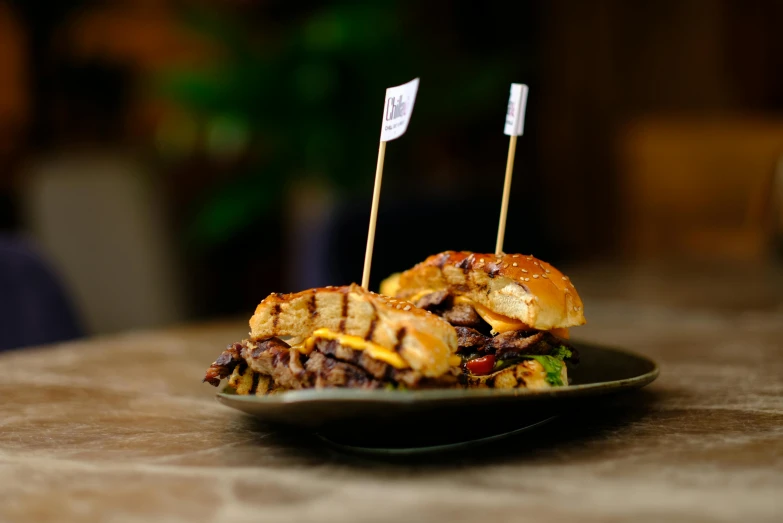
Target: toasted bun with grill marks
<point>517,286</point>
<point>422,339</point>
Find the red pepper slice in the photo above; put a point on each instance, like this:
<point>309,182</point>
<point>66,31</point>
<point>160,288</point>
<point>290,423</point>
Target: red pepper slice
<point>481,366</point>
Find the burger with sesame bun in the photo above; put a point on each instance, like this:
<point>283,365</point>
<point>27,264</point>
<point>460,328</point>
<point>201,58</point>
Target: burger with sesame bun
<point>339,337</point>
<point>512,313</point>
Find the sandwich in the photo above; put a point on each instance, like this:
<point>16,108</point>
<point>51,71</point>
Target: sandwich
<point>339,337</point>
<point>511,312</point>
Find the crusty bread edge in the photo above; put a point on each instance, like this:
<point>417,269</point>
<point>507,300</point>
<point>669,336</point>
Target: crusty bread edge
<point>513,285</point>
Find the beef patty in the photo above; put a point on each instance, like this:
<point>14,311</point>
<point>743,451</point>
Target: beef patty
<point>330,364</point>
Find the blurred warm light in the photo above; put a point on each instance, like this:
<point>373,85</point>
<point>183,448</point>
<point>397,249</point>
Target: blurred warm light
<point>14,96</point>
<point>147,35</point>
<point>700,187</point>
<point>240,115</point>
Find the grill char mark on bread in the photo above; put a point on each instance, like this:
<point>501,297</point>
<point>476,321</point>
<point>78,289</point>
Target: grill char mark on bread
<point>351,310</point>
<point>312,306</point>
<point>404,344</point>
<point>373,324</point>
<point>343,313</point>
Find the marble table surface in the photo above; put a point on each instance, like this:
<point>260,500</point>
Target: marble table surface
<point>121,429</point>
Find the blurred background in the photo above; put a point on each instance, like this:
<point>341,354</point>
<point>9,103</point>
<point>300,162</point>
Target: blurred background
<point>165,161</point>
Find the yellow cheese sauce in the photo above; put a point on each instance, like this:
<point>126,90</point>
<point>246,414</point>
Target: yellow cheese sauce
<point>419,295</point>
<point>356,343</point>
<point>498,322</point>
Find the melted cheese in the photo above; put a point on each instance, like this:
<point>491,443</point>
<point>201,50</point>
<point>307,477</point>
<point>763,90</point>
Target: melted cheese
<point>356,343</point>
<point>455,361</point>
<point>498,322</point>
<point>391,285</point>
<point>419,295</point>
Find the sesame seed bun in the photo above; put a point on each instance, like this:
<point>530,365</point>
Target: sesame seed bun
<point>423,340</point>
<point>517,286</point>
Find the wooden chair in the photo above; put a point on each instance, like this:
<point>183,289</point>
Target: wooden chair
<point>701,188</point>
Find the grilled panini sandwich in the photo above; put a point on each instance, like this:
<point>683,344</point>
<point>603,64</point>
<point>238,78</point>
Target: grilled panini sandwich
<point>339,337</point>
<point>511,312</point>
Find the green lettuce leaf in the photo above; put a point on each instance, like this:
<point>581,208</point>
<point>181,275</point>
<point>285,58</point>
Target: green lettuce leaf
<point>552,363</point>
<point>553,367</point>
<point>561,352</point>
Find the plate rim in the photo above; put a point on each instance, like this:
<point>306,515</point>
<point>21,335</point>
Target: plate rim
<point>412,396</point>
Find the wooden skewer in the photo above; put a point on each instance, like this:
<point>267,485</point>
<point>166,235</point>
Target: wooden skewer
<point>396,116</point>
<point>512,149</point>
<point>376,196</point>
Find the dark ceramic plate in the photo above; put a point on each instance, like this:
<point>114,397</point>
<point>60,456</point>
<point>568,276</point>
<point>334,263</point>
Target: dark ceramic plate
<point>388,421</point>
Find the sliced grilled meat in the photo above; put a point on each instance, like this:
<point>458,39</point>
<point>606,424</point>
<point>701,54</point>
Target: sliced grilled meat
<point>434,300</point>
<point>330,364</point>
<point>224,365</point>
<point>472,339</point>
<point>528,342</point>
<point>379,370</point>
<point>276,360</point>
<point>458,314</point>
<point>329,372</point>
<point>509,343</point>
<point>462,315</point>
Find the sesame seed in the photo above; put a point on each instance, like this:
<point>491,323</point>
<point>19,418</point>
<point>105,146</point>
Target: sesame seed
<point>576,309</point>
<point>399,306</point>
<point>535,276</point>
<point>407,308</point>
<point>565,277</point>
<point>529,257</point>
<point>547,270</point>
<point>515,264</point>
<point>515,255</point>
<point>527,279</point>
<point>505,265</point>
<point>544,275</point>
